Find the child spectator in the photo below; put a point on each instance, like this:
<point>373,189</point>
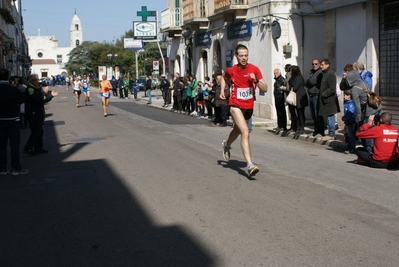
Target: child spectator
<point>200,100</point>
<point>349,119</point>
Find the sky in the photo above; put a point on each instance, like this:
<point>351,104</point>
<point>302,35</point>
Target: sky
<point>101,20</point>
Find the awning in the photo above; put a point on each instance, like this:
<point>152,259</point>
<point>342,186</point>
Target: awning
<point>324,5</point>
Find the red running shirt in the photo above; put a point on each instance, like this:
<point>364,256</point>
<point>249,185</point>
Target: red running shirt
<point>242,89</point>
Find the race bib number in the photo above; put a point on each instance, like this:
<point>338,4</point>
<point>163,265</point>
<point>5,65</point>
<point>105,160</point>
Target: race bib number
<point>244,93</point>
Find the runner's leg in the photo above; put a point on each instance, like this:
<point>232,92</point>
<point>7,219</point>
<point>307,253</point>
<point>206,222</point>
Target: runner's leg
<point>240,127</point>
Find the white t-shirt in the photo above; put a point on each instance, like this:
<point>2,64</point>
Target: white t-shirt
<point>76,85</point>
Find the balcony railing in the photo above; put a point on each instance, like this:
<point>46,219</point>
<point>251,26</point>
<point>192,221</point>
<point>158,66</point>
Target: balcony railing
<point>229,4</point>
<point>194,10</point>
<point>171,18</point>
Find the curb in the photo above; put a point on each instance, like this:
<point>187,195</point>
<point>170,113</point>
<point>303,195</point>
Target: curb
<point>266,124</point>
<point>316,140</point>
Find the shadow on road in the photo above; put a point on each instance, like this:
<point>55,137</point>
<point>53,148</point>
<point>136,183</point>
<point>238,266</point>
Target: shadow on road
<point>80,213</point>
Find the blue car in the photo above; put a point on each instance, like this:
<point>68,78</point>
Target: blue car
<point>141,84</point>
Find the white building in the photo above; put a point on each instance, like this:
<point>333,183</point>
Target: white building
<point>202,35</point>
<point>47,58</point>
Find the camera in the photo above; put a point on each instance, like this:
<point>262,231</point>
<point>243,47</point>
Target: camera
<point>376,119</point>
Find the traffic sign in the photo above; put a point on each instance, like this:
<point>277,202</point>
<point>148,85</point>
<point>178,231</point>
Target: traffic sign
<point>155,65</point>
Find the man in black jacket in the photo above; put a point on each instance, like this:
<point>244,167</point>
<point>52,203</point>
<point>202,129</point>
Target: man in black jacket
<point>279,101</point>
<point>164,86</point>
<point>328,100</point>
<point>36,97</point>
<point>10,100</point>
<point>312,84</point>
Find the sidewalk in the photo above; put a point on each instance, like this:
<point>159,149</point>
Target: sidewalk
<point>268,124</point>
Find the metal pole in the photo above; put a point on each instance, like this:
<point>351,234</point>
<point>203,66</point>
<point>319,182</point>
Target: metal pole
<point>160,51</point>
<point>137,66</point>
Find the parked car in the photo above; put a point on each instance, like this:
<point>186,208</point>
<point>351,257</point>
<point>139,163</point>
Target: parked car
<point>141,84</point>
<point>45,81</point>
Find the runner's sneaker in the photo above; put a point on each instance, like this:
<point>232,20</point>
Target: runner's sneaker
<point>16,172</point>
<point>4,172</point>
<point>252,170</point>
<point>226,150</point>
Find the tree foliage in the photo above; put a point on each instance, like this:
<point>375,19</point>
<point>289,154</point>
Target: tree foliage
<point>86,57</point>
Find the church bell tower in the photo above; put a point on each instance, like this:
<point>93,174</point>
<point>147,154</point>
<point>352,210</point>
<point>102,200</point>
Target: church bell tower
<point>75,33</point>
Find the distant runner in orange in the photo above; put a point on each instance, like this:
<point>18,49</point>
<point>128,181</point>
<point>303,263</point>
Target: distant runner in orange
<point>105,86</point>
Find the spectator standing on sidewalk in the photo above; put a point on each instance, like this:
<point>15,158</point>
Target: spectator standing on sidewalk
<point>343,85</point>
<point>349,119</point>
<point>36,97</point>
<point>114,83</point>
<point>312,84</point>
<point>177,93</point>
<point>279,101</point>
<point>125,87</point>
<point>286,88</point>
<point>221,104</point>
<point>297,83</point>
<point>164,86</point>
<point>148,89</point>
<point>328,100</point>
<point>22,89</point>
<point>364,74</point>
<point>10,101</point>
<point>208,97</point>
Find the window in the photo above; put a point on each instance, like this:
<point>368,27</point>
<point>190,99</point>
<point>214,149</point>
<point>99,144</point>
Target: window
<point>59,59</point>
<point>76,27</point>
<point>40,54</point>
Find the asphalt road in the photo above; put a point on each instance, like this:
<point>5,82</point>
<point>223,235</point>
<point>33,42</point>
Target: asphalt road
<point>148,187</point>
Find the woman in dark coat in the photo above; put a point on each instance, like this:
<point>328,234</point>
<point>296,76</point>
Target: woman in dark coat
<point>297,83</point>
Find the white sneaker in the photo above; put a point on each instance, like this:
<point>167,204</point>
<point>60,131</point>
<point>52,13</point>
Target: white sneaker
<point>252,170</point>
<point>226,150</point>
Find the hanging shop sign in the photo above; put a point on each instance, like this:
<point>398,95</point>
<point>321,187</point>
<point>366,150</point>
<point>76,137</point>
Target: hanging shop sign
<point>239,30</point>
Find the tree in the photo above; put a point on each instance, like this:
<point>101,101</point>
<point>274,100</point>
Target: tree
<point>89,55</point>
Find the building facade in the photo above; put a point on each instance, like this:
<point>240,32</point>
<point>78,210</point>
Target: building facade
<point>202,35</point>
<point>48,59</point>
<point>14,47</point>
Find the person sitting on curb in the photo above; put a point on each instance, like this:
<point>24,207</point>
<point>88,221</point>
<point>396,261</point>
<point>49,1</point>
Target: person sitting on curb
<point>385,150</point>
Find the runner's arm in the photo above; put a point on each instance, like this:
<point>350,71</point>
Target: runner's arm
<point>222,85</point>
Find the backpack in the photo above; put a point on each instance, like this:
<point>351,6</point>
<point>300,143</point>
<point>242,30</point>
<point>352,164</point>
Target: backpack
<point>373,100</point>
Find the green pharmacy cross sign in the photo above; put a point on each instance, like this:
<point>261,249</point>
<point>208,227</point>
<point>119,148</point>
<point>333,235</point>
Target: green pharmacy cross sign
<point>144,13</point>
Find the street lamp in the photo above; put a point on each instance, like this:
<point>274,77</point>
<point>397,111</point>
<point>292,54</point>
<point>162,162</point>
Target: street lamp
<point>187,35</point>
<point>111,58</point>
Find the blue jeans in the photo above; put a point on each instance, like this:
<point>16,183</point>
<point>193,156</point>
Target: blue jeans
<point>134,92</point>
<point>201,110</point>
<point>149,96</point>
<point>331,125</point>
<point>9,130</point>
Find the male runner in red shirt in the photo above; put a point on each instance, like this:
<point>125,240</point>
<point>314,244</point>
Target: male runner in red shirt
<point>244,78</point>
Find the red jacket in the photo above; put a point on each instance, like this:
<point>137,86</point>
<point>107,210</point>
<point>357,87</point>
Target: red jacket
<point>385,137</point>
